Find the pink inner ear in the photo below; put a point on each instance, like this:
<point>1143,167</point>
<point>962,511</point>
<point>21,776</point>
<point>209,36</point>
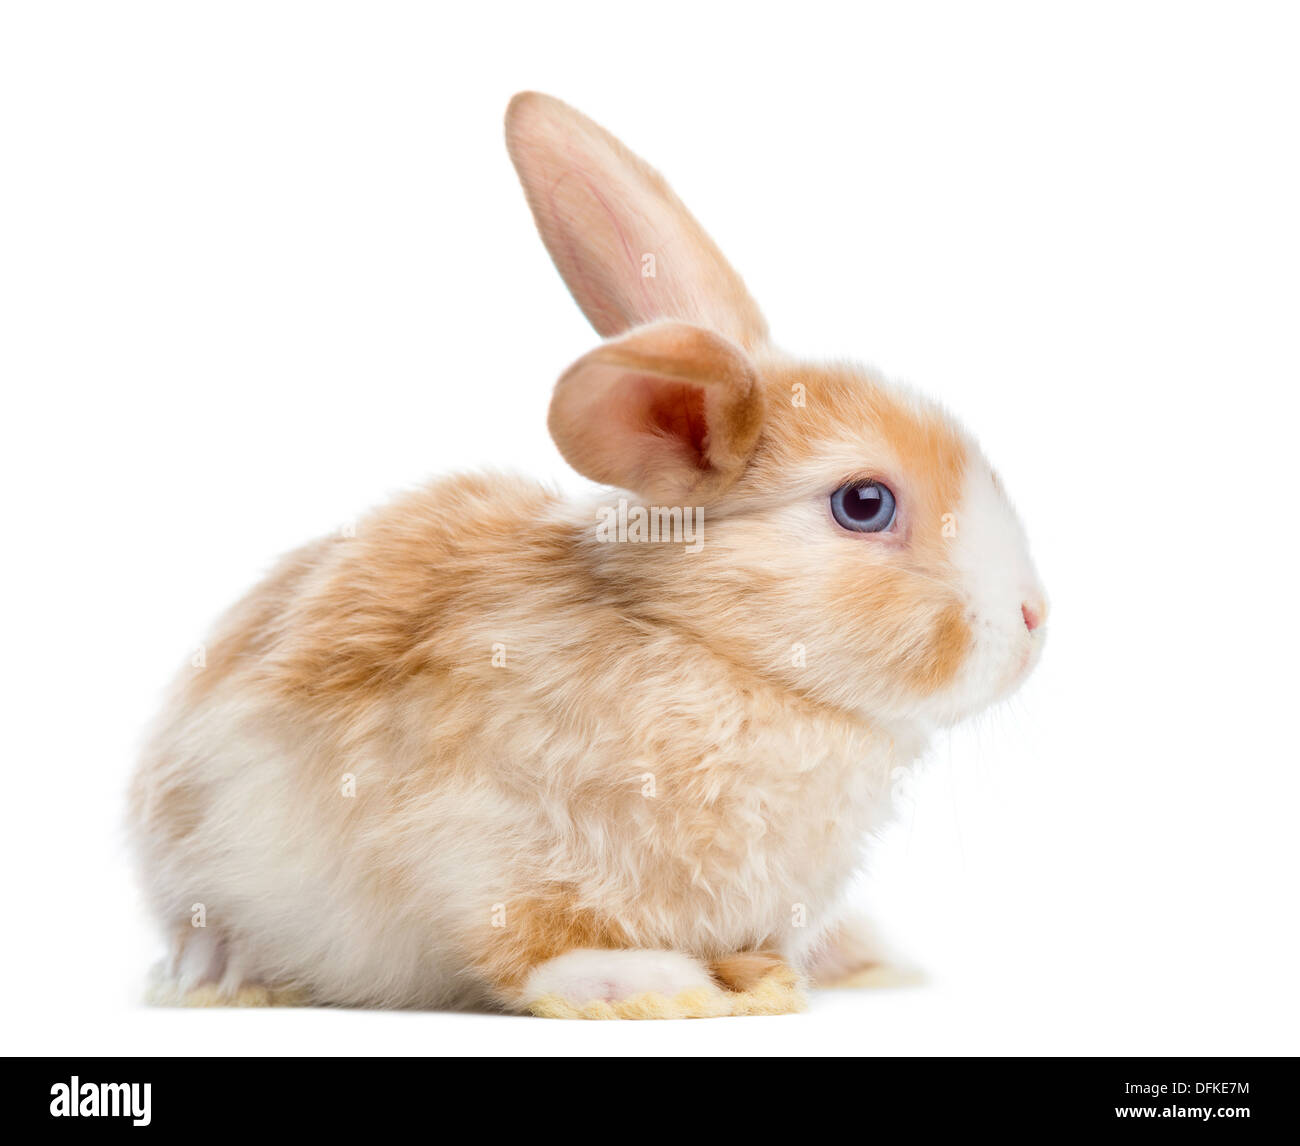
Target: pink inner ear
<point>674,410</point>
<point>570,196</point>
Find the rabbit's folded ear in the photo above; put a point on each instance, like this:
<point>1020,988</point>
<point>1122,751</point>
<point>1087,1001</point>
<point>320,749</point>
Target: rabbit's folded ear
<point>669,411</point>
<point>627,248</point>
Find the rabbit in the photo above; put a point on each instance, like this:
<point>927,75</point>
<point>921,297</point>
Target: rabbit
<point>502,750</point>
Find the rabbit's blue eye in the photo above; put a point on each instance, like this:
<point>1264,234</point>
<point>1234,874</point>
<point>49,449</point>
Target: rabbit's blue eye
<point>863,506</point>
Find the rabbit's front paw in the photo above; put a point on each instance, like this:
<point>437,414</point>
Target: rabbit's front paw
<point>630,984</point>
<point>854,956</point>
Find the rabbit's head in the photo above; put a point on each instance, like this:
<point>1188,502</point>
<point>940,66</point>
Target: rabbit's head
<point>839,536</point>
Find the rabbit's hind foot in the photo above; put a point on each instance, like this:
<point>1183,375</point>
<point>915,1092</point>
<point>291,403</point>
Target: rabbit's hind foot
<point>634,984</point>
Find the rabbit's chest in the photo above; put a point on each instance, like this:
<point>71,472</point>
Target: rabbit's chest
<point>756,843</point>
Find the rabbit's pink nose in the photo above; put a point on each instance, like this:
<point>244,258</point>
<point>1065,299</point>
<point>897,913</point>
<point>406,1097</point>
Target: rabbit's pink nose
<point>1033,617</point>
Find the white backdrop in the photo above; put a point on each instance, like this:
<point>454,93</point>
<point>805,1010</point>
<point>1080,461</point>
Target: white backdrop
<point>263,264</point>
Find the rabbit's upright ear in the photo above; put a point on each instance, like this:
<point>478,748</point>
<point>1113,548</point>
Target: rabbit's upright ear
<point>627,248</point>
<point>669,411</point>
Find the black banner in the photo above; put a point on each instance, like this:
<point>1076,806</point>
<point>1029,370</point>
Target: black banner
<point>1228,1096</point>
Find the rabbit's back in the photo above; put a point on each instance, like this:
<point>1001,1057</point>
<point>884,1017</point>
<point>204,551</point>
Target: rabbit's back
<point>322,751</point>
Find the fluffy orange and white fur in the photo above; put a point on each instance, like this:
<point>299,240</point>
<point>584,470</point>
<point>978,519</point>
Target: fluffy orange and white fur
<point>476,756</point>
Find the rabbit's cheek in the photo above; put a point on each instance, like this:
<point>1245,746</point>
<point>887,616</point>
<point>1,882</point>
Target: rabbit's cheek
<point>948,648</point>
